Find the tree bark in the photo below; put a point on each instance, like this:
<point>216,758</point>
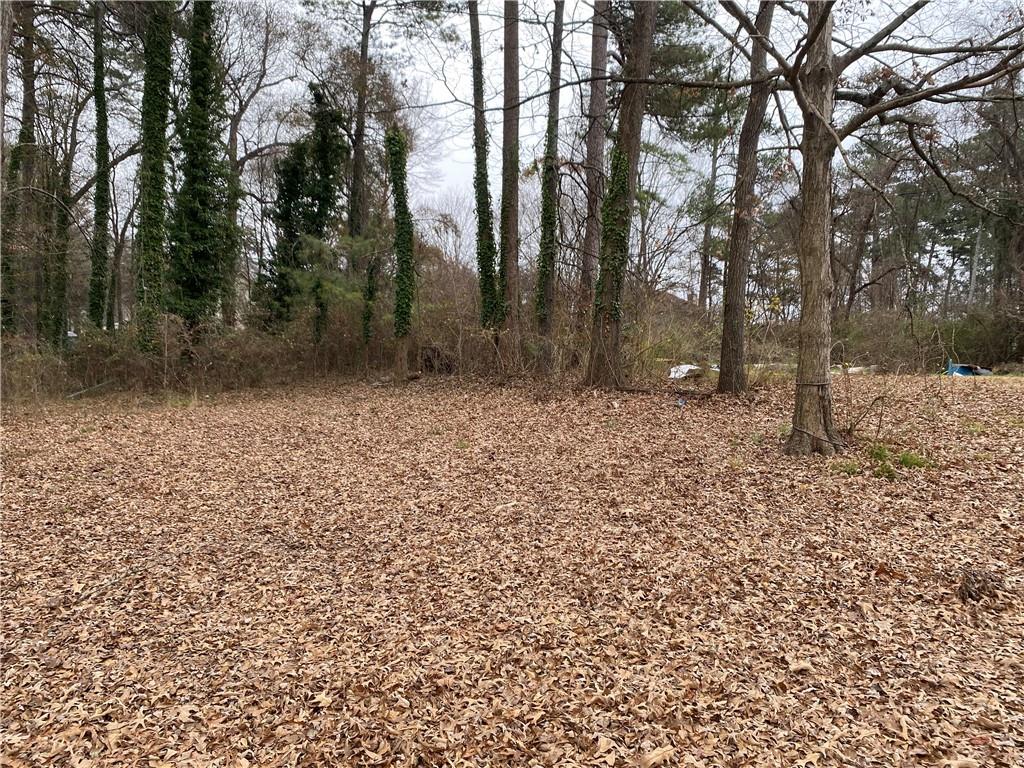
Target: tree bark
<point>508,276</point>
<point>357,198</point>
<point>732,377</point>
<point>604,364</point>
<point>546,261</point>
<point>596,134</point>
<point>813,428</point>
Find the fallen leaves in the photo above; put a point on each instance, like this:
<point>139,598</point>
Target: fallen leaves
<point>469,576</point>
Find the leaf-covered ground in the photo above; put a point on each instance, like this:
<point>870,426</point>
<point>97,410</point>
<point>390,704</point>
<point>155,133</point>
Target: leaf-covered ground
<point>446,575</point>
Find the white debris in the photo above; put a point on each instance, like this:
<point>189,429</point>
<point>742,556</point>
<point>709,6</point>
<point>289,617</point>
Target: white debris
<point>685,371</point>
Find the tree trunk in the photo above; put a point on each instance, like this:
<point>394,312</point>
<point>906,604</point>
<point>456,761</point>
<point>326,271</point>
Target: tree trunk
<point>596,135</point>
<point>604,365</point>
<point>20,210</point>
<point>101,208</point>
<point>813,428</point>
<point>357,198</point>
<point>486,250</point>
<point>973,280</point>
<point>149,286</point>
<point>733,374</point>
<point>546,261</point>
<point>704,293</point>
<point>860,247</point>
<point>229,290</point>
<point>6,34</point>
<point>508,276</point>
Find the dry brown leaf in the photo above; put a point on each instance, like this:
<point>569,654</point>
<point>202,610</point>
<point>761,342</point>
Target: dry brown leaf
<point>451,573</point>
<point>657,757</point>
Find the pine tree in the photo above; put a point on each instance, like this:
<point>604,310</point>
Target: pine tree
<point>200,244</point>
<point>155,94</point>
<point>405,275</point>
<point>101,208</point>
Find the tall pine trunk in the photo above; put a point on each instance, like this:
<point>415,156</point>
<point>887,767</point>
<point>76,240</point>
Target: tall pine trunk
<point>813,427</point>
<point>152,173</point>
<point>595,139</point>
<point>101,208</point>
<point>546,261</point>
<point>710,204</point>
<point>604,365</point>
<point>733,375</point>
<point>486,250</point>
<point>508,269</point>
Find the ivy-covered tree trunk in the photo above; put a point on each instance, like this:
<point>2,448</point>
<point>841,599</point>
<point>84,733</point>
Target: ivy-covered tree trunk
<point>508,268</point>
<point>55,316</point>
<point>813,428</point>
<point>486,250</point>
<point>546,260</point>
<point>19,209</point>
<point>101,208</point>
<point>733,375</point>
<point>597,113</point>
<point>405,275</point>
<point>152,172</point>
<point>201,238</point>
<point>604,365</point>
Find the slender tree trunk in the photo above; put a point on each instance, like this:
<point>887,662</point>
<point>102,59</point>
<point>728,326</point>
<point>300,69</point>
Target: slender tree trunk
<point>486,249</point>
<point>101,209</point>
<point>149,285</point>
<point>733,373</point>
<point>860,247</point>
<point>813,428</point>
<point>704,293</point>
<point>950,272</point>
<point>547,259</point>
<point>56,294</point>
<point>357,199</point>
<point>597,113</point>
<point>604,365</point>
<point>6,34</point>
<point>229,291</point>
<point>508,276</point>
<point>972,285</point>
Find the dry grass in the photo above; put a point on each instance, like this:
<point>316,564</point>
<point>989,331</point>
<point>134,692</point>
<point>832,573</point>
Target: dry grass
<point>463,576</point>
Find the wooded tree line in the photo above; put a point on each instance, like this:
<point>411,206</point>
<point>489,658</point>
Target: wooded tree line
<point>243,167</point>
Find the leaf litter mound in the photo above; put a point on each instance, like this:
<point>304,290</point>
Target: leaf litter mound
<point>456,575</point>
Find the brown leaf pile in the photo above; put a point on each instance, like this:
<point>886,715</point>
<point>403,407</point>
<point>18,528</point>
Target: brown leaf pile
<point>435,575</point>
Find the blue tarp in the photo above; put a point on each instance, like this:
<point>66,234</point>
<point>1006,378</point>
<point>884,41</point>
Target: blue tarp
<point>966,369</point>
